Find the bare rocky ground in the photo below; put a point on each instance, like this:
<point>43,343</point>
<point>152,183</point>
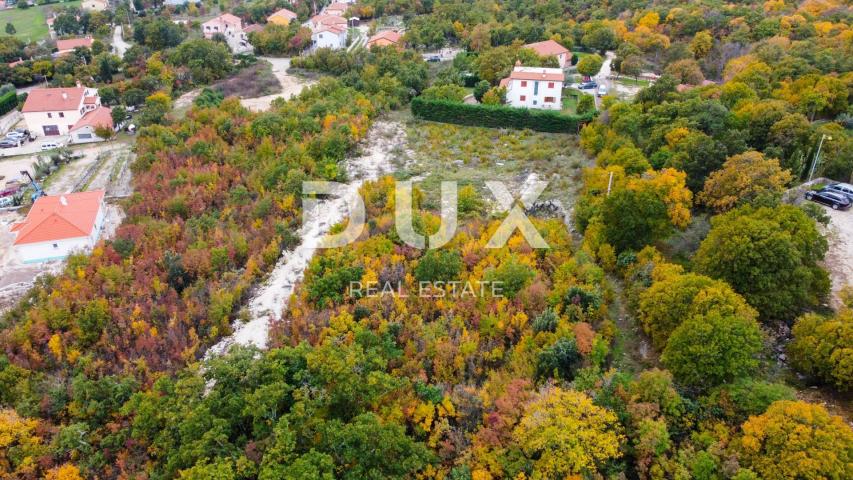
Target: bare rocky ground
<point>291,85</point>
<point>839,258</point>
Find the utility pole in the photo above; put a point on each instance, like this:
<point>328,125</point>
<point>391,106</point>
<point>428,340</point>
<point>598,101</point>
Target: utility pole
<point>609,184</point>
<point>817,155</point>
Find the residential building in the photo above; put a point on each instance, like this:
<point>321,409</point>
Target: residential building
<point>282,17</point>
<point>231,28</point>
<point>58,225</point>
<point>330,36</point>
<point>386,38</point>
<point>64,47</point>
<point>535,87</point>
<point>550,48</point>
<point>337,9</point>
<point>94,5</point>
<point>318,21</point>
<point>55,111</point>
<point>178,3</point>
<point>84,130</point>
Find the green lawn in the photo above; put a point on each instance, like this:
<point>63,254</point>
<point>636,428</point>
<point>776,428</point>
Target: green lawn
<point>30,23</point>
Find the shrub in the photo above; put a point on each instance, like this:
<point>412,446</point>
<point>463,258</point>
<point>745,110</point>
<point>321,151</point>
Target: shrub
<point>497,116</point>
<point>8,102</point>
<point>561,360</point>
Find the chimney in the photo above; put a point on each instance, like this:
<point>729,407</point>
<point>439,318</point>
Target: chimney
<point>63,200</point>
<point>64,95</point>
<point>79,84</point>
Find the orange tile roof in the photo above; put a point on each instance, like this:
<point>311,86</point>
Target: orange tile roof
<point>535,73</point>
<point>255,27</point>
<point>547,48</point>
<point>73,43</point>
<point>100,116</point>
<point>53,99</point>
<point>284,13</point>
<point>338,6</point>
<point>336,29</point>
<point>226,18</point>
<point>390,35</point>
<point>58,217</point>
<point>322,19</point>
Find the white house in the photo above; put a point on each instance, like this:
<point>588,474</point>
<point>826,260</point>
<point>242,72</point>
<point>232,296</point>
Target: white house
<point>231,28</point>
<point>94,5</point>
<point>84,130</point>
<point>330,36</point>
<point>535,87</point>
<point>58,225</point>
<point>322,20</point>
<point>55,111</point>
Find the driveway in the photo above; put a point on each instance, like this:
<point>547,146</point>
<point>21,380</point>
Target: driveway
<point>291,86</point>
<point>603,77</point>
<point>839,258</point>
<point>119,45</point>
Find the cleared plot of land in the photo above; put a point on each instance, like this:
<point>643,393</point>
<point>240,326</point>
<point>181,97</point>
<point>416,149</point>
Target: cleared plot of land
<point>437,152</point>
<point>30,23</point>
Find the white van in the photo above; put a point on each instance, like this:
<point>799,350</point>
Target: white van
<point>602,90</point>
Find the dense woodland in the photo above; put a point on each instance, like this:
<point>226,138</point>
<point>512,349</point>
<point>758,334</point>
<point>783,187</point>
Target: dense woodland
<point>100,367</point>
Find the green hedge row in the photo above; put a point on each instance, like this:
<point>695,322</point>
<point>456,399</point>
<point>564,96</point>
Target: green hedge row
<point>497,116</point>
<point>8,102</point>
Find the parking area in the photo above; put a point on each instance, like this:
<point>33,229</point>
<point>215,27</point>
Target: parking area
<point>839,258</point>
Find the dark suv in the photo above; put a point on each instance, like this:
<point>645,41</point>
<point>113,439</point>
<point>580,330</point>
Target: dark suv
<point>830,198</point>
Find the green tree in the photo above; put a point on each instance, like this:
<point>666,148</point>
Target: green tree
<point>480,89</point>
<point>206,60</point>
<point>10,29</point>
<point>589,65</point>
<point>439,265</point>
<point>707,350</point>
<point>586,104</point>
<point>823,347</point>
<point>633,219</point>
<point>769,255</point>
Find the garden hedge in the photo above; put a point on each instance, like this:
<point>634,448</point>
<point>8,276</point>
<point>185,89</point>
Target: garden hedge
<point>497,116</point>
<point>8,102</point>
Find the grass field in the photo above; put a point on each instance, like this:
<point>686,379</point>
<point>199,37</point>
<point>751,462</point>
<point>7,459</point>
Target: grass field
<point>30,23</point>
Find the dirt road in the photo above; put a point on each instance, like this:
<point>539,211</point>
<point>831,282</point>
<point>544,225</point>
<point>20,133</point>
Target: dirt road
<point>290,85</point>
<point>839,258</point>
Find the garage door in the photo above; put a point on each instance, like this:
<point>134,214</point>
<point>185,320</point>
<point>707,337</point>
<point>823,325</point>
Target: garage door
<point>51,130</point>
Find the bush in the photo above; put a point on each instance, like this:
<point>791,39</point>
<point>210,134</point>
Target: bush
<point>497,116</point>
<point>560,360</point>
<point>438,266</point>
<point>8,102</point>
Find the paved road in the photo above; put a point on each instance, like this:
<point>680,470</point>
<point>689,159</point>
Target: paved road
<point>119,45</point>
<point>602,77</point>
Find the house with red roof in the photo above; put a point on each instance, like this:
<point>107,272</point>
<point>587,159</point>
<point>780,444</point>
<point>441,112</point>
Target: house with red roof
<point>231,28</point>
<point>535,87</point>
<point>58,225</point>
<point>55,111</point>
<point>385,38</point>
<point>550,48</point>
<point>84,131</point>
<point>64,47</point>
<point>330,36</point>
<point>336,8</point>
<point>282,17</point>
<point>323,20</point>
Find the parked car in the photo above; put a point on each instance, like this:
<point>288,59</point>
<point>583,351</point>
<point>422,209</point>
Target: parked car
<point>602,90</point>
<point>832,199</point>
<point>9,143</point>
<point>842,188</point>
<point>587,85</point>
<point>15,135</point>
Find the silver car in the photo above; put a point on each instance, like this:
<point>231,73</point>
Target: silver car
<point>842,189</point>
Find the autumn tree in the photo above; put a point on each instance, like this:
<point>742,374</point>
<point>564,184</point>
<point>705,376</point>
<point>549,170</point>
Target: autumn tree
<point>686,71</point>
<point>589,65</point>
<point>822,347</point>
<point>707,350</point>
<point>743,178</point>
<point>563,433</point>
<point>701,44</point>
<point>795,439</point>
<point>769,255</point>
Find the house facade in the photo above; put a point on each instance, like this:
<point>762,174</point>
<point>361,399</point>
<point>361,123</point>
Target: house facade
<point>330,36</point>
<point>231,28</point>
<point>55,111</point>
<point>535,87</point>
<point>550,48</point>
<point>59,225</point>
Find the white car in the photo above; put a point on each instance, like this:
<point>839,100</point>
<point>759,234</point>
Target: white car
<point>50,146</point>
<point>16,135</point>
<point>602,90</point>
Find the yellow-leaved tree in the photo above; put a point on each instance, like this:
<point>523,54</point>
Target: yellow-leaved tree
<point>565,434</point>
<point>744,177</point>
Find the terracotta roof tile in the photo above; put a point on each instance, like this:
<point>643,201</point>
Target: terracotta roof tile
<point>537,73</point>
<point>59,217</point>
<point>73,43</point>
<point>53,99</point>
<point>390,35</point>
<point>285,13</point>
<point>547,48</point>
<point>101,116</point>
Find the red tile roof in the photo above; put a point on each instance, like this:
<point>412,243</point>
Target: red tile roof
<point>253,28</point>
<point>53,99</point>
<point>338,6</point>
<point>226,18</point>
<point>58,217</point>
<point>321,19</point>
<point>336,29</point>
<point>73,43</point>
<point>535,73</point>
<point>101,116</point>
<point>390,35</point>
<point>547,48</point>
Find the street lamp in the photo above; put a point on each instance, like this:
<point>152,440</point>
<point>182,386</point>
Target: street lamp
<point>817,155</point>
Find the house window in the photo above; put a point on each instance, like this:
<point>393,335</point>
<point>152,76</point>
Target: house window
<point>49,115</point>
<point>84,136</point>
<point>550,84</point>
<point>61,114</point>
<point>522,97</point>
<point>549,99</point>
<point>51,130</point>
<point>55,245</point>
<point>523,83</point>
